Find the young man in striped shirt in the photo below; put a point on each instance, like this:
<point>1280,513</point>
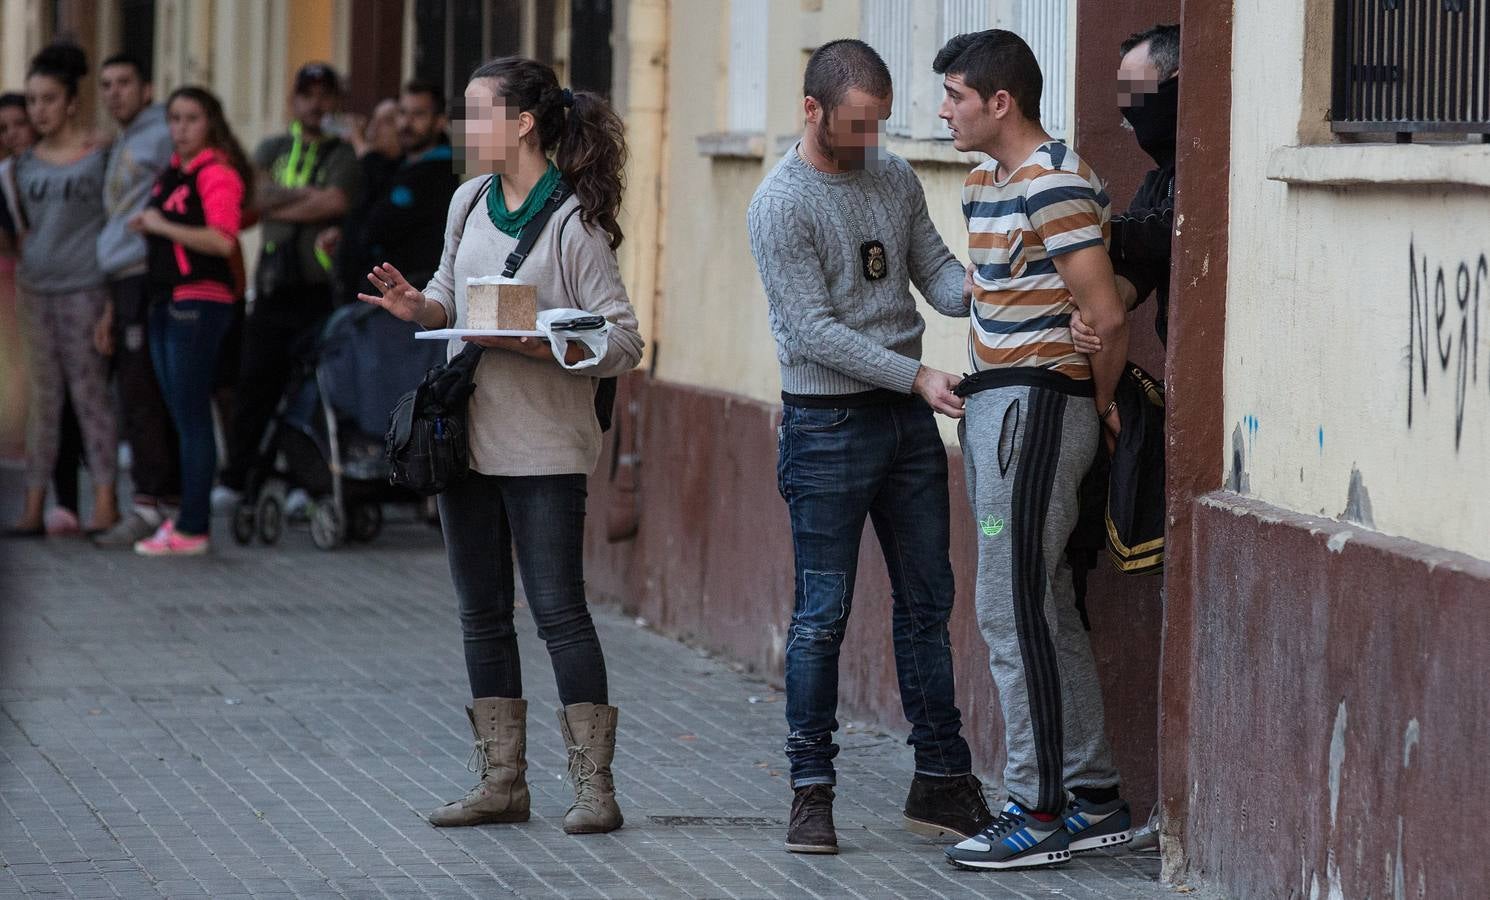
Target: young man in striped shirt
<point>1035,409</point>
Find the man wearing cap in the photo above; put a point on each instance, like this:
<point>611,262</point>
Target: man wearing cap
<point>306,181</point>
<point>401,219</point>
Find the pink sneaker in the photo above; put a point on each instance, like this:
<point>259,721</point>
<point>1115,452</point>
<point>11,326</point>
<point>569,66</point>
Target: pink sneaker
<point>166,542</point>
<point>62,522</point>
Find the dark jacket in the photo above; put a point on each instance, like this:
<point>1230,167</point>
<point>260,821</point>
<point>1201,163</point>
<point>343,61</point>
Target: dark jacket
<point>1135,487</point>
<point>403,223</point>
<point>1141,239</point>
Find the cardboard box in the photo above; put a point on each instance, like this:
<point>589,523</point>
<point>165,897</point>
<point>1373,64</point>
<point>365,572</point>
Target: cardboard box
<point>517,307</point>
<point>506,307</point>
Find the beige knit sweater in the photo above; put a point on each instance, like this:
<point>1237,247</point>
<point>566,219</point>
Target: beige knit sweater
<point>528,416</point>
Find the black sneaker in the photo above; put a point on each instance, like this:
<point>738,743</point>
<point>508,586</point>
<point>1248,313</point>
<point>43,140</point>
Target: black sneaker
<point>811,829</point>
<point>1093,825</point>
<point>943,807</point>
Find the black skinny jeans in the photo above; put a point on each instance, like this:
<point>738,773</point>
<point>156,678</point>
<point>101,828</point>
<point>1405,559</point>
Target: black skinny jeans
<point>484,517</point>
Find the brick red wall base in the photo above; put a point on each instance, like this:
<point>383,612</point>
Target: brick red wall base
<point>1340,709</point>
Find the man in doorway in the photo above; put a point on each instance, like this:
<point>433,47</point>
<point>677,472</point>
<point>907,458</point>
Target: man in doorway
<point>141,151</point>
<point>840,231</point>
<point>306,180</point>
<point>1035,409</point>
<point>402,222</point>
<point>1148,95</point>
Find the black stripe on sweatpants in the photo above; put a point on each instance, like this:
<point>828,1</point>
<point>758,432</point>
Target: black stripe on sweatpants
<point>1039,459</point>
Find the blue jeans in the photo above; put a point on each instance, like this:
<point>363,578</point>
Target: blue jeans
<point>838,467</point>
<point>185,339</point>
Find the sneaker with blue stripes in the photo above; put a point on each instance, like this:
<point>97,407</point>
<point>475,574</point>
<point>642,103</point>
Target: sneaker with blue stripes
<point>1015,840</point>
<point>1093,825</point>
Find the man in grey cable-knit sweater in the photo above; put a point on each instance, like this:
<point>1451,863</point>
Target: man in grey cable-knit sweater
<point>840,231</point>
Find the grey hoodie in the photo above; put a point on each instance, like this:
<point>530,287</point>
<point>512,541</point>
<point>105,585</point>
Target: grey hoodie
<point>136,159</point>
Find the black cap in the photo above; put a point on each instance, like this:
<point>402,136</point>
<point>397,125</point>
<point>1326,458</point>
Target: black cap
<point>313,73</point>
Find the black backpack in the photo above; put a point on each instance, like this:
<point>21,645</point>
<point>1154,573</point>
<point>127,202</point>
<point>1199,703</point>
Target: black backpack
<point>1135,492</point>
<point>1121,499</point>
<point>428,445</point>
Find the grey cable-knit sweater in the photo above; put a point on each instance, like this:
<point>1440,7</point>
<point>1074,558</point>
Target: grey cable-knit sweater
<point>839,331</point>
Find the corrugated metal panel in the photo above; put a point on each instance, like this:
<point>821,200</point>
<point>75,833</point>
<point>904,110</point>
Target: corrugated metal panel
<point>963,16</point>
<point>957,17</point>
<point>887,26</point>
<point>890,26</point>
<point>1044,26</point>
<point>747,65</point>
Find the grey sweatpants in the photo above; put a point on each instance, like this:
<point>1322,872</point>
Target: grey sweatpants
<point>62,361</point>
<point>1026,450</point>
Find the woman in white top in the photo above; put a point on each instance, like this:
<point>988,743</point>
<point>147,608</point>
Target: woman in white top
<point>532,422</point>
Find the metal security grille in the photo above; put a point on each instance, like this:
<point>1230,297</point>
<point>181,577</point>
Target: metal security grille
<point>748,33</point>
<point>1406,66</point>
<point>1044,24</point>
<point>908,33</point>
<point>889,26</point>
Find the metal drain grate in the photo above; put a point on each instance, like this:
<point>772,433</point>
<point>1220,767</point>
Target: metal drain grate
<point>715,821</point>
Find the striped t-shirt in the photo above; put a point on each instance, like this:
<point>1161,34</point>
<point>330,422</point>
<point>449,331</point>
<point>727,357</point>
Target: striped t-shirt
<point>1021,315</point>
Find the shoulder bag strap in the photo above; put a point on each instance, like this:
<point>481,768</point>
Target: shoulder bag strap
<point>530,232</point>
<point>480,192</point>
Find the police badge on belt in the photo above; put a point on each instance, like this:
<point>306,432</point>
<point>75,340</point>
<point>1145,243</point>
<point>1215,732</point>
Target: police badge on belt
<point>872,259</point>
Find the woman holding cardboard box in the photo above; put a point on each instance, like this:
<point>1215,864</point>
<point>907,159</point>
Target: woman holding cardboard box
<point>534,436</point>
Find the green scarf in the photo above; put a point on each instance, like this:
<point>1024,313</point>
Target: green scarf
<point>511,223</point>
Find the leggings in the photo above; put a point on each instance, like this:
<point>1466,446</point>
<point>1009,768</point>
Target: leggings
<point>62,362</point>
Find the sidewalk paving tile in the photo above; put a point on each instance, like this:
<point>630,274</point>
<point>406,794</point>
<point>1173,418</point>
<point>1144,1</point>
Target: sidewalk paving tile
<point>276,721</point>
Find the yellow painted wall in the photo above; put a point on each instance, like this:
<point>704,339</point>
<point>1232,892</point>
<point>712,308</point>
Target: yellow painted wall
<point>311,35</point>
<point>1319,318</point>
<point>21,35</point>
<point>710,325</point>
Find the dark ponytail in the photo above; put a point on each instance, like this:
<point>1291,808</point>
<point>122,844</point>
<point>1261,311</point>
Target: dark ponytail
<point>65,63</point>
<point>220,135</point>
<point>585,135</point>
<point>592,156</point>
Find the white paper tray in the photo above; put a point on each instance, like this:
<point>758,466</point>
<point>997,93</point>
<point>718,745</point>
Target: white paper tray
<point>447,334</point>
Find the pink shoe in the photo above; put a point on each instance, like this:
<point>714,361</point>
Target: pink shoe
<point>62,522</point>
<point>166,542</point>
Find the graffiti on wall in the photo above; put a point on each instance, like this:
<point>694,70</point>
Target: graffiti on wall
<point>1443,342</point>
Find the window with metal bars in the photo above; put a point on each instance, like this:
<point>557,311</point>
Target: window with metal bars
<point>1407,67</point>
<point>453,37</point>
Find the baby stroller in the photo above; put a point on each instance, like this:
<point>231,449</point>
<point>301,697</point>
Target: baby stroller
<point>326,435</point>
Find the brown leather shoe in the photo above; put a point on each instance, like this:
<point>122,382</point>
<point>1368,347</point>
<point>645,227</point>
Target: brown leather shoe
<point>501,729</point>
<point>811,829</point>
<point>946,807</point>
